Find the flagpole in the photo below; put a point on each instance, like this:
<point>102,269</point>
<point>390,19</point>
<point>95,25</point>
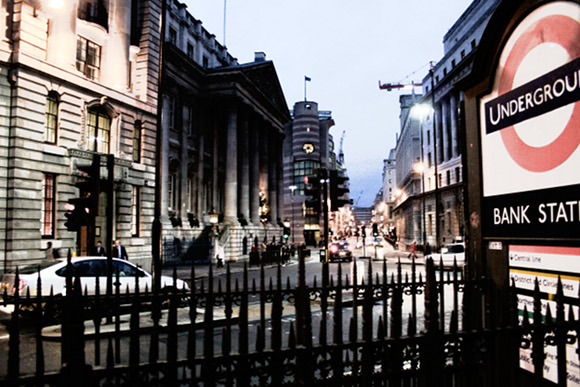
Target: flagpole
<point>305,89</point>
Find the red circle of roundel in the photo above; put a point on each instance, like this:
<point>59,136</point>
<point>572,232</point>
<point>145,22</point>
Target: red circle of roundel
<point>564,31</point>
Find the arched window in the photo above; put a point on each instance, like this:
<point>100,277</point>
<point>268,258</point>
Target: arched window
<point>51,117</point>
<point>99,130</point>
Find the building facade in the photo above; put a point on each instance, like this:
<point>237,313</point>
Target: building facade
<point>308,147</point>
<point>77,80</point>
<point>432,211</point>
<point>223,130</point>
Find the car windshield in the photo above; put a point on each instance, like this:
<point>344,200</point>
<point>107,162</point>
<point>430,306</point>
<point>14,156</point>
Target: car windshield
<point>455,248</point>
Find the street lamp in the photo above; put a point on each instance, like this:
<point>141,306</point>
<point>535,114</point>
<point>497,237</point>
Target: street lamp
<point>292,189</point>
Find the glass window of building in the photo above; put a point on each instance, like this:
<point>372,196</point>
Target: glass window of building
<point>136,211</point>
<point>47,206</point>
<point>93,11</point>
<point>88,58</point>
<point>301,169</point>
<point>51,117</point>
<point>137,133</point>
<point>99,130</point>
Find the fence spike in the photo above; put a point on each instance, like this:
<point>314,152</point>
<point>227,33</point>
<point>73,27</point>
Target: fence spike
<point>291,337</point>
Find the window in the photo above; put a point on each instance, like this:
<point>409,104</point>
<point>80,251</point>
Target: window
<point>171,112</point>
<point>301,169</point>
<point>473,44</point>
<point>51,117</point>
<point>137,133</point>
<point>88,58</point>
<point>190,50</point>
<point>448,177</point>
<point>445,71</point>
<point>457,175</point>
<point>99,130</point>
<point>172,192</point>
<point>188,120</point>
<point>93,11</point>
<point>135,211</point>
<point>428,137</point>
<point>453,63</point>
<point>440,180</point>
<point>429,159</point>
<point>47,207</point>
<point>462,54</point>
<point>205,62</point>
<point>172,36</point>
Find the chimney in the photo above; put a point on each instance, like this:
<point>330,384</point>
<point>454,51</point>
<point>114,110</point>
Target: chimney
<point>259,56</point>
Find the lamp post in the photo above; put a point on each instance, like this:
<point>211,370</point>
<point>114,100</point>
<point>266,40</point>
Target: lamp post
<point>420,168</point>
<point>213,220</point>
<point>292,189</point>
<point>421,111</point>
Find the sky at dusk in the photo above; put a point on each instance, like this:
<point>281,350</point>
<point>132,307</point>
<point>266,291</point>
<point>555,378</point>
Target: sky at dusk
<point>345,48</point>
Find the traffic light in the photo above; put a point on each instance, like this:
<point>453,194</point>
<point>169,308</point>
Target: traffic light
<point>90,185</point>
<point>363,232</point>
<point>375,230</point>
<point>286,233</point>
<point>338,189</point>
<point>76,217</point>
<point>312,192</point>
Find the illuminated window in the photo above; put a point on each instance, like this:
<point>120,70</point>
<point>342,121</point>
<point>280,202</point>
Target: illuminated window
<point>47,209</point>
<point>301,169</point>
<point>137,129</point>
<point>99,130</point>
<point>88,58</point>
<point>51,117</point>
<point>135,211</point>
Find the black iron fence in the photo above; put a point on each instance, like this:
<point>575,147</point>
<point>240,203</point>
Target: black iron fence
<point>396,329</point>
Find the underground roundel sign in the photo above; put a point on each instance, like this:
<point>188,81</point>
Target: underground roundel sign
<point>530,121</point>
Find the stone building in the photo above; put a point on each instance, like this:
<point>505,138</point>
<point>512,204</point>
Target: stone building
<point>222,134</point>
<point>441,139</point>
<point>308,146</point>
<point>77,79</point>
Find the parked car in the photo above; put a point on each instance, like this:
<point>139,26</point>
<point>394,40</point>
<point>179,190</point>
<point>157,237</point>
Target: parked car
<point>53,275</point>
<point>449,253</point>
<point>340,250</point>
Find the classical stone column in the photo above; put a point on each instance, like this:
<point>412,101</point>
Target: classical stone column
<point>62,39</point>
<point>438,133</point>
<point>119,42</point>
<point>273,179</point>
<point>445,130</point>
<point>255,172</point>
<point>200,200</point>
<point>454,125</point>
<point>231,182</point>
<point>244,178</point>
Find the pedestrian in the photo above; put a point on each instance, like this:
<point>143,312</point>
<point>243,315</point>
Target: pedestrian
<point>119,251</point>
<point>99,250</point>
<point>219,255</point>
<point>49,253</point>
<point>413,250</point>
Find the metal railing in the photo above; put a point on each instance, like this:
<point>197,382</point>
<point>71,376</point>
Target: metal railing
<point>388,328</point>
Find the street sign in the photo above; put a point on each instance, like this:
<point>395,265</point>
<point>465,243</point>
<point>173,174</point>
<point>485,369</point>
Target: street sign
<point>530,129</point>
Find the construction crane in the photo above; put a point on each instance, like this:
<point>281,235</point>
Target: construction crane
<point>391,86</point>
<point>340,152</point>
